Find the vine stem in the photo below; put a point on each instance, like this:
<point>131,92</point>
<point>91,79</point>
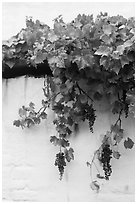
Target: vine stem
<point>92,162</point>
<point>91,172</point>
<point>44,108</point>
<point>119,118</point>
<point>81,90</point>
<point>96,167</point>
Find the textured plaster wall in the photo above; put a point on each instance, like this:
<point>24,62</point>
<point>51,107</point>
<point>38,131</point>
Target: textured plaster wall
<point>29,173</point>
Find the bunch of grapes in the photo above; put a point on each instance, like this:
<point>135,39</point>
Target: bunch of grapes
<point>60,162</point>
<point>90,116</point>
<point>105,160</point>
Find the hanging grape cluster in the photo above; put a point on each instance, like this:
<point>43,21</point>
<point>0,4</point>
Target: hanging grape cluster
<point>105,160</point>
<point>90,116</point>
<point>60,162</point>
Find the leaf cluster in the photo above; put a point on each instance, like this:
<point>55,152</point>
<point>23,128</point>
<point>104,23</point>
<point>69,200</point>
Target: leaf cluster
<point>29,117</point>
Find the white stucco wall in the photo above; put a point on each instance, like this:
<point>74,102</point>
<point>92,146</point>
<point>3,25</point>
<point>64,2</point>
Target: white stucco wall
<point>29,173</point>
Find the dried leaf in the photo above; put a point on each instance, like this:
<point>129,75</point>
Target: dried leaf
<point>95,186</point>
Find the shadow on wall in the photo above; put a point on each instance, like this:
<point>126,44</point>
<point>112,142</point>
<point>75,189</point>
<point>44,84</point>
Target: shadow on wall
<point>22,69</point>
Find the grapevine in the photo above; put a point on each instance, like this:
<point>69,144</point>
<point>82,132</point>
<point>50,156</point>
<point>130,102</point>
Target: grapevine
<point>88,60</point>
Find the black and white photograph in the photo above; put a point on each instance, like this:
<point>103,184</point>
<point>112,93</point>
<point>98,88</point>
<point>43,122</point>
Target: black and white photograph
<point>68,101</point>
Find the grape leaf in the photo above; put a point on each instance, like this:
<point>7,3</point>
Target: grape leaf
<point>115,55</point>
<point>116,107</point>
<point>124,60</point>
<point>120,49</point>
<point>103,50</point>
<point>131,56</point>
<point>22,112</point>
<point>118,133</point>
<point>17,123</point>
<point>40,57</point>
<point>81,62</point>
<point>128,43</point>
<point>64,143</point>
<point>44,103</point>
<point>128,144</point>
<point>63,89</point>
<point>77,23</point>
<point>43,115</point>
<point>97,96</point>
<point>56,61</point>
<point>29,122</point>
<point>106,39</point>
<point>68,131</point>
<point>37,120</point>
<point>52,37</point>
<point>103,61</point>
<point>115,128</point>
<point>69,84</point>
<point>73,32</point>
<point>69,154</point>
<point>59,28</point>
<point>108,29</point>
<point>29,37</point>
<point>118,137</point>
<point>54,140</point>
<point>58,108</point>
<point>31,105</point>
<point>70,121</point>
<point>83,98</point>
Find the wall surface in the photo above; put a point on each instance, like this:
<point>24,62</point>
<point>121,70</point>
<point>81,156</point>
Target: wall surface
<point>29,173</point>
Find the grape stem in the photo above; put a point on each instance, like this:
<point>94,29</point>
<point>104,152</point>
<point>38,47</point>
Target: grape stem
<point>96,167</point>
<point>81,90</point>
<point>44,108</point>
<point>92,162</point>
<point>119,118</point>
